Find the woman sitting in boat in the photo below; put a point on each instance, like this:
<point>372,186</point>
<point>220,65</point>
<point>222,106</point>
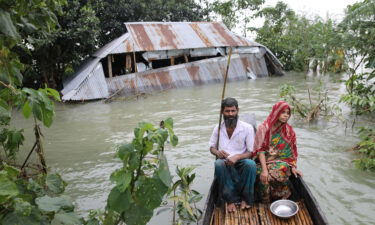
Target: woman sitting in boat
<point>275,146</point>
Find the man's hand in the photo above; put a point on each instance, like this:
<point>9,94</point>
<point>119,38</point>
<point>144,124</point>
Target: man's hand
<point>232,160</point>
<point>221,154</point>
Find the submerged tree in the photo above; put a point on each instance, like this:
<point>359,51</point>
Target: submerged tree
<point>300,42</point>
<point>29,194</point>
<point>358,28</point>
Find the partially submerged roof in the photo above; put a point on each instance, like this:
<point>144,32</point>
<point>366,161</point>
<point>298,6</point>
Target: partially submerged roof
<point>155,37</point>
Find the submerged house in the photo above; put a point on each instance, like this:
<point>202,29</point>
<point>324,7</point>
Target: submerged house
<point>153,56</point>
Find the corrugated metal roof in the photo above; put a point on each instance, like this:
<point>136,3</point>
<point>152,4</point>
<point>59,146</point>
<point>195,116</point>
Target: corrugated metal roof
<point>189,74</point>
<point>91,87</point>
<point>153,36</point>
<point>114,47</point>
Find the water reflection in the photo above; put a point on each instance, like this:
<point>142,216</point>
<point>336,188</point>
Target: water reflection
<point>82,140</point>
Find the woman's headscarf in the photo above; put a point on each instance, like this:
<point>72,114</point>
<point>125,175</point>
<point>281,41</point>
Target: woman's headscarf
<point>264,132</point>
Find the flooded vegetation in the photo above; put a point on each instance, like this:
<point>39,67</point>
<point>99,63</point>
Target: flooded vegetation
<point>82,140</point>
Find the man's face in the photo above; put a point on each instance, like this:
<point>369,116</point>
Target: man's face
<point>230,116</point>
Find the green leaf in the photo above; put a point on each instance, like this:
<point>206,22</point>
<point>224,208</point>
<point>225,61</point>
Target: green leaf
<point>168,123</point>
<point>163,133</point>
<point>11,171</point>
<point>14,219</point>
<point>26,110</point>
<point>22,207</point>
<point>55,183</point>
<point>119,201</point>
<point>163,171</point>
<point>150,191</point>
<point>8,188</point>
<point>55,94</point>
<point>125,151</point>
<point>122,179</point>
<point>6,25</point>
<point>62,218</point>
<point>174,140</point>
<point>137,215</point>
<point>54,204</point>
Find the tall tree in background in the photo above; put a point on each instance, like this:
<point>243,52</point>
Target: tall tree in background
<point>276,21</point>
<point>299,41</point>
<point>358,30</point>
<point>73,41</point>
<point>232,11</point>
<point>114,13</point>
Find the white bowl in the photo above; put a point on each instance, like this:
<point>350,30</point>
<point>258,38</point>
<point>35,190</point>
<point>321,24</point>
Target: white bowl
<point>284,208</point>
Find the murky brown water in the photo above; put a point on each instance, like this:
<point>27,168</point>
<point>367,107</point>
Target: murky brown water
<point>80,144</point>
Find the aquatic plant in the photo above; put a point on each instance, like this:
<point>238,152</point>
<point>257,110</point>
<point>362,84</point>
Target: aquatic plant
<point>184,198</point>
<point>315,108</point>
<point>366,148</point>
<point>144,178</point>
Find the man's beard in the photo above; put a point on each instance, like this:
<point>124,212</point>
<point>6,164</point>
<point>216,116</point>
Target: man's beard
<point>230,121</point>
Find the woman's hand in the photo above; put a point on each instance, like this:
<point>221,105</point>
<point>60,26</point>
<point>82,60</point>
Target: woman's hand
<point>297,172</point>
<point>264,176</point>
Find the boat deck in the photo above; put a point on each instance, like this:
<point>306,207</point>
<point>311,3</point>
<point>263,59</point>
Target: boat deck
<point>259,214</point>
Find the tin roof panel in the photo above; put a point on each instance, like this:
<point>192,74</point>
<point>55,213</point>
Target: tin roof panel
<point>153,36</point>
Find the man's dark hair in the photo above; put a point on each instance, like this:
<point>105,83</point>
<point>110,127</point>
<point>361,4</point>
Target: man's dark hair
<point>229,102</point>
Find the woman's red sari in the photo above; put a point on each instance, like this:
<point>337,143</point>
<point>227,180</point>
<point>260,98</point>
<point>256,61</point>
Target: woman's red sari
<point>264,133</point>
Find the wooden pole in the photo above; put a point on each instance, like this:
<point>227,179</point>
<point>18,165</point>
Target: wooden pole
<point>172,61</point>
<point>135,61</point>
<point>109,65</point>
<point>135,75</point>
<point>222,96</point>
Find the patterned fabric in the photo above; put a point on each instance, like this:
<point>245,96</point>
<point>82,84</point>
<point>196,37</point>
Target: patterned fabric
<point>280,150</point>
<point>278,161</point>
<point>264,132</point>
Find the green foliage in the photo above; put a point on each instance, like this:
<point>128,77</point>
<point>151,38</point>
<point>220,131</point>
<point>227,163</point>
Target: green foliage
<point>361,93</point>
<point>27,199</point>
<point>366,147</point>
<point>185,198</point>
<point>74,40</point>
<point>232,11</point>
<point>144,178</point>
<point>112,14</point>
<point>33,200</point>
<point>299,41</point>
<point>316,107</point>
<point>358,28</point>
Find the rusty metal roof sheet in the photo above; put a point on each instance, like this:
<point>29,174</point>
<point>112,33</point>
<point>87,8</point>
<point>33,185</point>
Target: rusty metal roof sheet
<point>153,36</point>
<point>189,74</point>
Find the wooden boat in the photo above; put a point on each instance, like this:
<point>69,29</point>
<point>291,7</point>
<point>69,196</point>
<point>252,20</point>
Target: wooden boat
<point>309,210</point>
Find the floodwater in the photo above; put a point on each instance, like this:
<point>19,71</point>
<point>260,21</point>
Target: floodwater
<point>80,145</point>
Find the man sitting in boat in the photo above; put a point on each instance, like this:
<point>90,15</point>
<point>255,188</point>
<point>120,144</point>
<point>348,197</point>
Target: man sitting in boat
<point>234,171</point>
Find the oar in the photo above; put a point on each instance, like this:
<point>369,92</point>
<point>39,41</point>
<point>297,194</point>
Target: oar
<point>222,96</point>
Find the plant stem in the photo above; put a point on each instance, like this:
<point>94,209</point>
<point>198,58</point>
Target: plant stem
<point>28,156</point>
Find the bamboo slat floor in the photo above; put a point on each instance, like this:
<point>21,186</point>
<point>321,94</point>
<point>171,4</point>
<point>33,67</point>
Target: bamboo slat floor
<point>259,214</point>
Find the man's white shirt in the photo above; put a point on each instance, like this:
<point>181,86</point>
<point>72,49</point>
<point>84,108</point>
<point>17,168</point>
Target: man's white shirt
<point>242,139</point>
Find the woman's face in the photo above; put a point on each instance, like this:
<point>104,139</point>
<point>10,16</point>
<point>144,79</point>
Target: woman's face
<point>284,116</point>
